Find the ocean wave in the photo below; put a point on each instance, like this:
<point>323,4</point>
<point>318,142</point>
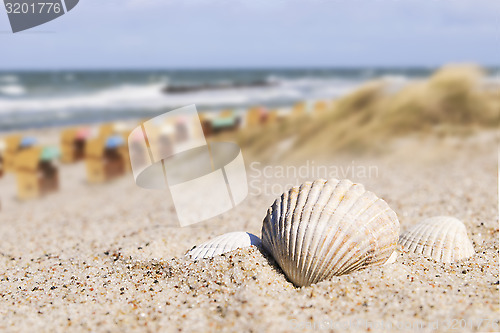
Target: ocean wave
<point>125,96</point>
<point>12,90</point>
<point>395,78</point>
<point>151,96</point>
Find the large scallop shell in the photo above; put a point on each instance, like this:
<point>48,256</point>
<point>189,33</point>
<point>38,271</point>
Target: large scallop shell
<point>329,228</point>
<point>442,238</point>
<point>223,244</point>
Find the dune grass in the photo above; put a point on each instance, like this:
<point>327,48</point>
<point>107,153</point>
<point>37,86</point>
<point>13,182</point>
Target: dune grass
<point>452,101</point>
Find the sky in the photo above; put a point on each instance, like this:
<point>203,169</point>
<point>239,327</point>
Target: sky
<point>135,34</point>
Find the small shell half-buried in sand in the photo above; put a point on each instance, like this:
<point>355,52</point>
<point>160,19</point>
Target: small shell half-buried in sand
<point>442,238</point>
<point>223,244</point>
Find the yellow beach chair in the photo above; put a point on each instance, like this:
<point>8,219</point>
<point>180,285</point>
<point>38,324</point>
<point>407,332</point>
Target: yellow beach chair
<point>226,114</point>
<point>73,144</point>
<point>298,110</point>
<point>320,107</point>
<point>36,174</point>
<point>2,152</point>
<point>12,146</point>
<point>104,162</point>
<point>106,130</point>
<point>256,116</point>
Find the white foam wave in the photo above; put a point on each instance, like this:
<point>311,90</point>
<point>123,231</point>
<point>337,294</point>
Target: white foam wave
<point>395,78</point>
<point>126,96</point>
<point>12,90</point>
<point>151,96</point>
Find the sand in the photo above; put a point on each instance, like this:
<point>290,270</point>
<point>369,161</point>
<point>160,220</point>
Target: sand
<point>109,257</point>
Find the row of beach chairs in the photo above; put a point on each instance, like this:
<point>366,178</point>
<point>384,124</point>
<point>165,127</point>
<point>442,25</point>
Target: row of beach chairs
<point>257,116</point>
<point>106,150</point>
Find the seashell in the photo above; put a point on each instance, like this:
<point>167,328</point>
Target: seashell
<point>392,259</point>
<point>223,244</point>
<point>328,228</point>
<point>442,238</point>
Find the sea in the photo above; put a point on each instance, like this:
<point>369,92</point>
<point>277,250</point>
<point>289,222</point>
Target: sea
<point>36,99</point>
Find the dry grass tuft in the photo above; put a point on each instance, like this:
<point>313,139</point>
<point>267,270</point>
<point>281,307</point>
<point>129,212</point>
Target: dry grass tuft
<point>452,101</point>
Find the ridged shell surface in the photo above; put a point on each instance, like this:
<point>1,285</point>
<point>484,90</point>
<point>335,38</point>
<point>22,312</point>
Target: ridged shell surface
<point>327,228</point>
<point>442,238</point>
<point>223,244</point>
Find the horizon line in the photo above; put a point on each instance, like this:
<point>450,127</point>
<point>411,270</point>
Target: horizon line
<point>256,68</point>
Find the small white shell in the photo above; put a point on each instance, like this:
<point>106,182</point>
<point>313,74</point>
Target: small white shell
<point>392,259</point>
<point>442,238</point>
<point>223,244</point>
<point>329,228</point>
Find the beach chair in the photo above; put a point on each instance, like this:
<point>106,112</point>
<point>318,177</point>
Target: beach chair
<point>298,110</point>
<point>320,108</point>
<point>122,130</point>
<point>2,151</point>
<point>193,125</point>
<point>36,172</point>
<point>256,116</point>
<point>206,124</point>
<point>12,147</point>
<point>227,124</point>
<point>226,114</point>
<point>106,130</point>
<point>181,130</point>
<point>73,144</point>
<point>138,150</point>
<point>159,135</point>
<point>105,158</point>
<point>124,150</point>
<point>163,145</point>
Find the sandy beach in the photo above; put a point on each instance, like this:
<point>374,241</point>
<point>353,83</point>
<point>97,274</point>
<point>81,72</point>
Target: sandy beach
<point>249,166</point>
<point>109,257</point>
